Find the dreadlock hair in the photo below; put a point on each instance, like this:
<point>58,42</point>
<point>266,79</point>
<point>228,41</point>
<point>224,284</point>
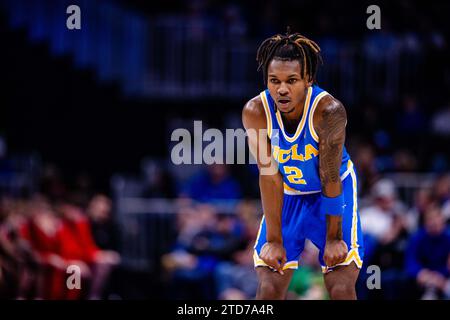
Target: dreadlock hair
<point>287,48</point>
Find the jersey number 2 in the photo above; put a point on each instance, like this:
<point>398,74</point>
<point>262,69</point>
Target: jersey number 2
<point>294,175</point>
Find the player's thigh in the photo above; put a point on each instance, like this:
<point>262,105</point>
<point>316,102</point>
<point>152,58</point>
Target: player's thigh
<point>270,280</point>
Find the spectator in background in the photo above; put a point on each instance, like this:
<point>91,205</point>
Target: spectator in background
<point>221,241</point>
<point>205,240</point>
<point>441,189</point>
<point>104,230</point>
<point>189,275</point>
<point>215,183</point>
<point>42,232</point>
<point>404,161</point>
<point>77,243</point>
<point>19,265</point>
<point>383,224</point>
<point>383,219</point>
<point>428,255</point>
<point>236,279</point>
<point>249,215</point>
<point>422,200</point>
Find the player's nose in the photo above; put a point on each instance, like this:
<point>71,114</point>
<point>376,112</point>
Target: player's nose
<point>283,90</point>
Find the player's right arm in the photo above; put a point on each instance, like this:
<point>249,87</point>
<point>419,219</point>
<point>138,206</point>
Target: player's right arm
<point>270,182</point>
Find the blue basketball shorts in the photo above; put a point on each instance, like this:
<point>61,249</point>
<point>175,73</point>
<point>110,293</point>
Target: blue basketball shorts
<point>301,219</point>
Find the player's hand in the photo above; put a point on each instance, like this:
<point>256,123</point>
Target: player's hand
<point>274,255</point>
<point>335,252</point>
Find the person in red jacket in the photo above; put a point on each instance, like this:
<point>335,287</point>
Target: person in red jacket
<point>42,232</point>
<point>77,244</point>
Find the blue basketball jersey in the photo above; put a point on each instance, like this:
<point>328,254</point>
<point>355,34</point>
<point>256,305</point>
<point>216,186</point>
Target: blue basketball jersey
<point>297,155</point>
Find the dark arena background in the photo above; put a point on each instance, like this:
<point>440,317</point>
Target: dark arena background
<point>86,121</point>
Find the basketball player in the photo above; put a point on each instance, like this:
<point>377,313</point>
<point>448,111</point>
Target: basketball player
<point>311,194</point>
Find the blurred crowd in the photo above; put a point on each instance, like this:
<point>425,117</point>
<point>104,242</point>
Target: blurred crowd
<point>210,256</point>
<point>43,239</point>
<point>409,242</point>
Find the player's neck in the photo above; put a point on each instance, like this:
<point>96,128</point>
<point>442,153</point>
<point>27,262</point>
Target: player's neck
<point>291,120</point>
<point>295,115</point>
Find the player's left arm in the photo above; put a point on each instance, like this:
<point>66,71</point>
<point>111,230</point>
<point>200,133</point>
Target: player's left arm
<point>330,120</point>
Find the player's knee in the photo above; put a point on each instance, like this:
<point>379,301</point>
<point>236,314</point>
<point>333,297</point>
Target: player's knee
<point>269,290</point>
<point>342,291</point>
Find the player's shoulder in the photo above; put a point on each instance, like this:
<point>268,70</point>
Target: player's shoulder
<point>253,113</point>
<point>330,106</point>
<point>254,107</point>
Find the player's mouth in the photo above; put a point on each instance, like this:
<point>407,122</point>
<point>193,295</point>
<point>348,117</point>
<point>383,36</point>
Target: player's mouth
<point>283,103</point>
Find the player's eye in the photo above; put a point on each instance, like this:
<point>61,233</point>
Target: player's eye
<point>292,81</point>
<point>273,80</point>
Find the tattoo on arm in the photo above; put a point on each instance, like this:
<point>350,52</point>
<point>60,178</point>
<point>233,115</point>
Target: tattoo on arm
<point>331,131</point>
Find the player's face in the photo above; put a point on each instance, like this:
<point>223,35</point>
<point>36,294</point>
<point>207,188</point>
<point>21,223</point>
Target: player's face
<point>285,85</point>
